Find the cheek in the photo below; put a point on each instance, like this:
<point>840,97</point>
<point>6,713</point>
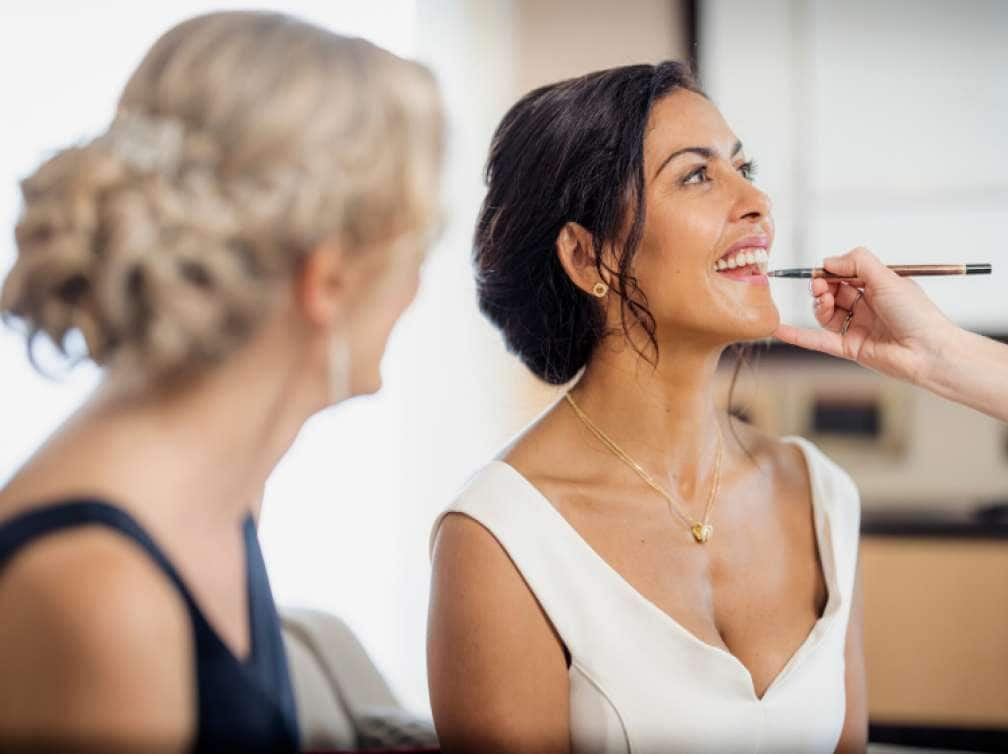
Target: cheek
<point>700,232</point>
<point>671,263</point>
<point>373,323</point>
<point>386,302</point>
<point>401,292</point>
<point>679,238</point>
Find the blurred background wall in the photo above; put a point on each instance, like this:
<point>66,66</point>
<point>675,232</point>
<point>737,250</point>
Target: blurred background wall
<point>879,123</point>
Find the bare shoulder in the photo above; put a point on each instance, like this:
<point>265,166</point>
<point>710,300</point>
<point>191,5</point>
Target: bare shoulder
<point>475,579</point>
<point>97,646</point>
<point>498,675</point>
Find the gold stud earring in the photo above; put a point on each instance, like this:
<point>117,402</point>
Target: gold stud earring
<point>600,289</point>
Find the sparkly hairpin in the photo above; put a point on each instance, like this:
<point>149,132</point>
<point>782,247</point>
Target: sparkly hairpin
<point>144,142</point>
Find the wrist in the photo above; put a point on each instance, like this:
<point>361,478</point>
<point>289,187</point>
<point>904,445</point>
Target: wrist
<point>942,359</point>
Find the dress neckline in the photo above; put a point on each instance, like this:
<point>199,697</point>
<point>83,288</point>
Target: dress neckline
<point>249,660</point>
<point>827,561</point>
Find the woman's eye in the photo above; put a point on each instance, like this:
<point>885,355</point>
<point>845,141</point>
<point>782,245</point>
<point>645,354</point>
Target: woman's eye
<point>748,170</point>
<point>696,176</point>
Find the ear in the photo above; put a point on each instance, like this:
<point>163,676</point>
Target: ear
<point>322,284</point>
<point>576,251</point>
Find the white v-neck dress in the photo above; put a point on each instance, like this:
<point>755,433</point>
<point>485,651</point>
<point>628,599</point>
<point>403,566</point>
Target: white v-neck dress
<point>639,681</point>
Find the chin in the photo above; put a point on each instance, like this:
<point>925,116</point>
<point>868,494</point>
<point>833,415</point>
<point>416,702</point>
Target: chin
<point>761,326</point>
<point>367,384</point>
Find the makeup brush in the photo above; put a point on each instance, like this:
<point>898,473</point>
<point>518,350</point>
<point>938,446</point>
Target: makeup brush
<point>903,270</point>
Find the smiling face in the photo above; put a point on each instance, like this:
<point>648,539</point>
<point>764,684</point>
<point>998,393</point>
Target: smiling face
<point>702,213</point>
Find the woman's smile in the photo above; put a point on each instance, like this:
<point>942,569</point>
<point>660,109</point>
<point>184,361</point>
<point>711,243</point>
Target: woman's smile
<point>746,261</point>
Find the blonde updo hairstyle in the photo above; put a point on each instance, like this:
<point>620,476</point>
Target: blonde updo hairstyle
<point>243,141</point>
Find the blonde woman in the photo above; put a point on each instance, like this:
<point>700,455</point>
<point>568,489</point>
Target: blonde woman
<point>634,573</point>
<point>234,250</point>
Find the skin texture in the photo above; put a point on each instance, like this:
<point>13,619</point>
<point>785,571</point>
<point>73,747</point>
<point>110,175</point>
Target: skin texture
<point>898,331</point>
<point>498,673</point>
<point>189,463</point>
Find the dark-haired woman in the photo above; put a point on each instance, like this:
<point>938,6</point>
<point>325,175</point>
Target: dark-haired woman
<point>632,573</point>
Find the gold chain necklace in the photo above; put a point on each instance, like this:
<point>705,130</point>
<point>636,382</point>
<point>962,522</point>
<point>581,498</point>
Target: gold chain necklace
<point>702,531</point>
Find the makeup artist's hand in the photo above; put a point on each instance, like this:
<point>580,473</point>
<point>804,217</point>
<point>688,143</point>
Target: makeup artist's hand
<point>897,330</point>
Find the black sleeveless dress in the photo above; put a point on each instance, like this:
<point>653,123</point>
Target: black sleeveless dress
<point>243,706</point>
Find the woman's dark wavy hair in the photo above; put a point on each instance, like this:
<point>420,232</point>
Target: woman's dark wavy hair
<point>570,151</point>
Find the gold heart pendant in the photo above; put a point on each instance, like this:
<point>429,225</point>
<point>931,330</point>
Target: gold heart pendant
<point>702,532</point>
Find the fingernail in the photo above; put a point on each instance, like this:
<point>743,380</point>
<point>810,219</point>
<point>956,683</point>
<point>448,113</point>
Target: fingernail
<point>817,302</point>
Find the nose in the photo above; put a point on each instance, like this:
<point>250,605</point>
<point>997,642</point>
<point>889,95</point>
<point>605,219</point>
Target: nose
<point>752,203</point>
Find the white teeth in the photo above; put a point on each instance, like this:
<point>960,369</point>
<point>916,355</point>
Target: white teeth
<point>747,257</point>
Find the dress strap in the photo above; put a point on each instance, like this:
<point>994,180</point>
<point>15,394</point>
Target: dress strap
<point>570,581</point>
<point>24,528</point>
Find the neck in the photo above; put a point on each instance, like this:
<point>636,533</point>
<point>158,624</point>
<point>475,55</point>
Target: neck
<point>202,453</point>
<point>665,418</point>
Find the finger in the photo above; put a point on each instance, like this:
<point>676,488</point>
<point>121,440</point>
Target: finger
<point>825,308</point>
<point>819,286</point>
<point>846,297</point>
<point>847,264</point>
<point>860,263</point>
<point>835,322</point>
<point>822,285</point>
<point>823,341</point>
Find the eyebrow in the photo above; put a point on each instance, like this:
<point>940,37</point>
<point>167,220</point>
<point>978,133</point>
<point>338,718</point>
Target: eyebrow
<point>705,152</point>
